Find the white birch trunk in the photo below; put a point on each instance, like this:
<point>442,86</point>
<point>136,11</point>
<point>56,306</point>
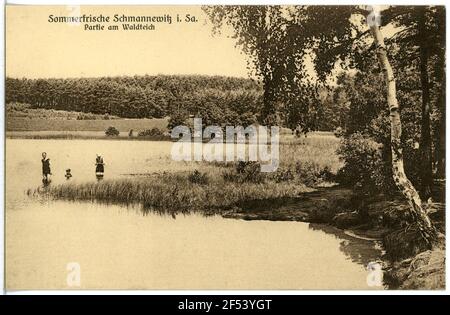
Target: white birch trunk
<point>399,175</point>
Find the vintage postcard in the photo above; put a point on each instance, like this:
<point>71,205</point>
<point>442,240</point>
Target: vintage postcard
<point>256,147</point>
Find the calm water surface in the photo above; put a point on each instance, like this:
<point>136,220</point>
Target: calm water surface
<point>119,248</point>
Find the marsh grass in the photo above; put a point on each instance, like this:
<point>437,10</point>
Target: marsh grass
<point>173,193</point>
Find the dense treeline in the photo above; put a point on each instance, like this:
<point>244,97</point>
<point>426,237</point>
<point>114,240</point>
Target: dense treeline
<point>141,96</point>
<point>217,100</point>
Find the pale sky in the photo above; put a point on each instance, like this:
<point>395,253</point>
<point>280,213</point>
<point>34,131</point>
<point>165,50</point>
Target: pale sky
<point>36,48</point>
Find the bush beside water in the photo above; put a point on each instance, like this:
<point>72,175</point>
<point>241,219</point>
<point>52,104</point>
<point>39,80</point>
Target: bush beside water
<point>112,132</point>
<point>198,178</point>
<point>364,165</point>
<point>154,132</point>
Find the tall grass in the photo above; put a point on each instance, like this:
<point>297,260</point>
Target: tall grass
<point>318,150</point>
<point>173,193</point>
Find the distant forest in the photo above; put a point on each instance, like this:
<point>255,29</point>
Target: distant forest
<point>217,99</point>
<point>142,96</point>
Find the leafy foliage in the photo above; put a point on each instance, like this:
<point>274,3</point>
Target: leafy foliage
<point>112,132</point>
<point>245,171</point>
<point>150,132</point>
<point>364,165</point>
<point>198,177</point>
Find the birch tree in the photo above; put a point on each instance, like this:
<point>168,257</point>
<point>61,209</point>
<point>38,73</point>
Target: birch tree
<point>401,180</point>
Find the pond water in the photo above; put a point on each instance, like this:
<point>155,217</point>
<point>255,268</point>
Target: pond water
<point>115,247</point>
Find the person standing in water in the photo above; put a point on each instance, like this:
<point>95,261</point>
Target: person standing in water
<point>68,174</point>
<point>45,167</point>
<point>99,166</point>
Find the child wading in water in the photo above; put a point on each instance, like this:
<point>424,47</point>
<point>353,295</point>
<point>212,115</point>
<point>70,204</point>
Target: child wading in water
<point>99,166</point>
<point>45,168</point>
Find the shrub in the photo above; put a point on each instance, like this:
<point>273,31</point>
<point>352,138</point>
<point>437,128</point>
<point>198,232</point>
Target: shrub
<point>284,176</point>
<point>21,107</point>
<point>245,171</point>
<point>91,116</point>
<point>405,242</point>
<point>309,173</point>
<point>326,174</point>
<point>112,132</point>
<point>198,178</point>
<point>86,116</point>
<point>338,132</point>
<point>154,132</point>
<point>364,167</point>
<point>177,118</point>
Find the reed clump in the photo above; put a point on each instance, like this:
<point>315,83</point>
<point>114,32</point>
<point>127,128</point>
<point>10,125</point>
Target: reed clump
<point>174,192</point>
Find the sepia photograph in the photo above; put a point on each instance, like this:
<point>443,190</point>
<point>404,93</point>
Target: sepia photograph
<point>225,147</point>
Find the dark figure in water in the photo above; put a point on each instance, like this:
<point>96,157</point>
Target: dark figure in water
<point>45,168</point>
<point>68,174</point>
<point>99,167</point>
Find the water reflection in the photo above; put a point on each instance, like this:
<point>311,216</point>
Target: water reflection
<point>358,250</point>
